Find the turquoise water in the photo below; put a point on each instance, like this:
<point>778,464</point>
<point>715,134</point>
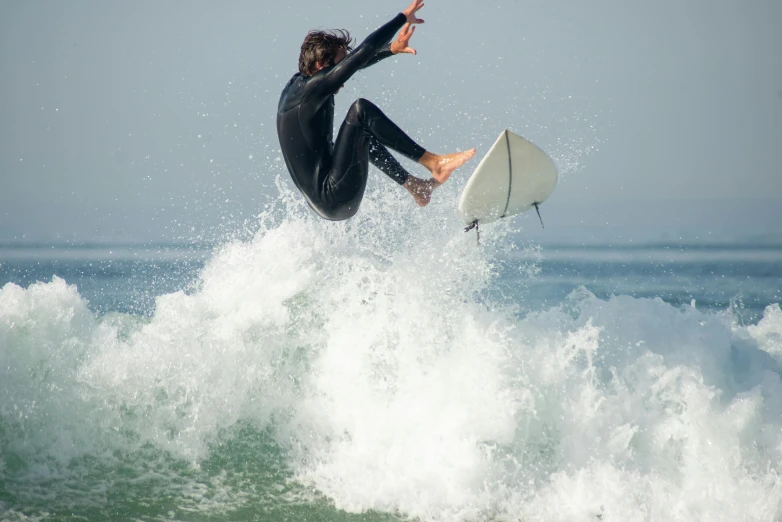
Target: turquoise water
<point>321,371</point>
<point>127,278</point>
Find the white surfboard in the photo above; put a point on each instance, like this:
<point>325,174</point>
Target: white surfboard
<point>513,177</point>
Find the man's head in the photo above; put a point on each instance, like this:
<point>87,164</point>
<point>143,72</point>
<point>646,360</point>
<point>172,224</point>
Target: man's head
<point>323,49</point>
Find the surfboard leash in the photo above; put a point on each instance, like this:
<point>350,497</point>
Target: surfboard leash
<point>474,225</point>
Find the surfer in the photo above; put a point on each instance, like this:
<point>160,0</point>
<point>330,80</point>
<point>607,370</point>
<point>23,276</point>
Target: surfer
<point>331,174</point>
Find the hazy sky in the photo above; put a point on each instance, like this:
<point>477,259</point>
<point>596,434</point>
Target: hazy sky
<point>155,120</point>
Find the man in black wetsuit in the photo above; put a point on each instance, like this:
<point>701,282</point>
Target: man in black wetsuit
<point>332,175</point>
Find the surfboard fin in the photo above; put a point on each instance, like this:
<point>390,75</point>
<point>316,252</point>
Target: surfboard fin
<point>537,209</point>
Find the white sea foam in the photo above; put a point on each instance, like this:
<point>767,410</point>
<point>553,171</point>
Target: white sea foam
<point>396,382</point>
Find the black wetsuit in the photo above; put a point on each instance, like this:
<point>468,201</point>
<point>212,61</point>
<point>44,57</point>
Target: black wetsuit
<point>333,175</point>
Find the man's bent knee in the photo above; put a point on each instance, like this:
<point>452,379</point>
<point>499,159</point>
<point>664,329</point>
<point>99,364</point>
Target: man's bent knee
<point>359,110</point>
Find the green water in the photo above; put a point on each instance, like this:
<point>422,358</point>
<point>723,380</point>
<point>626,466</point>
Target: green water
<point>244,477</point>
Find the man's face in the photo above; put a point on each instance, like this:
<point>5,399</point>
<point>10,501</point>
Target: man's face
<point>340,55</point>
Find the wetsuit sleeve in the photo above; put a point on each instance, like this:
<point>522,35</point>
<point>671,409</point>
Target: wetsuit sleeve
<point>360,57</point>
<point>382,54</point>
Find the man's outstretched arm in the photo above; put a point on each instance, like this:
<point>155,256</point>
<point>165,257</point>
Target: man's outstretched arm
<point>401,45</point>
<point>337,75</point>
<point>382,54</point>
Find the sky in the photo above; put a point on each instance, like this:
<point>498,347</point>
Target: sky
<point>155,121</point>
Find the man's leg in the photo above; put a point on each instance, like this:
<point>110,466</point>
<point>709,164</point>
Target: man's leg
<point>365,134</point>
<point>368,116</point>
<point>365,114</point>
<point>420,189</point>
<point>348,177</point>
<point>388,164</point>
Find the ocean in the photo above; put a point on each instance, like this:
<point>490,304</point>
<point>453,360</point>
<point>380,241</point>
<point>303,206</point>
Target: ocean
<point>390,368</point>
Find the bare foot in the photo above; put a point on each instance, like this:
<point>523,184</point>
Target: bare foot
<point>421,189</point>
<point>443,166</point>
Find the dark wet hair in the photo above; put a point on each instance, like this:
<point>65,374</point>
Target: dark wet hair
<point>323,46</point>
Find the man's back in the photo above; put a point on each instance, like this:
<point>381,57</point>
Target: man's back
<point>305,126</point>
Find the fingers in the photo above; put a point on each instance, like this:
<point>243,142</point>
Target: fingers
<point>419,5</point>
<point>406,33</point>
<point>415,6</point>
<point>411,10</point>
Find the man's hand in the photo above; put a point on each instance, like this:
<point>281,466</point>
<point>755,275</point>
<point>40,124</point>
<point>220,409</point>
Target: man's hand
<point>411,10</point>
<point>401,44</point>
